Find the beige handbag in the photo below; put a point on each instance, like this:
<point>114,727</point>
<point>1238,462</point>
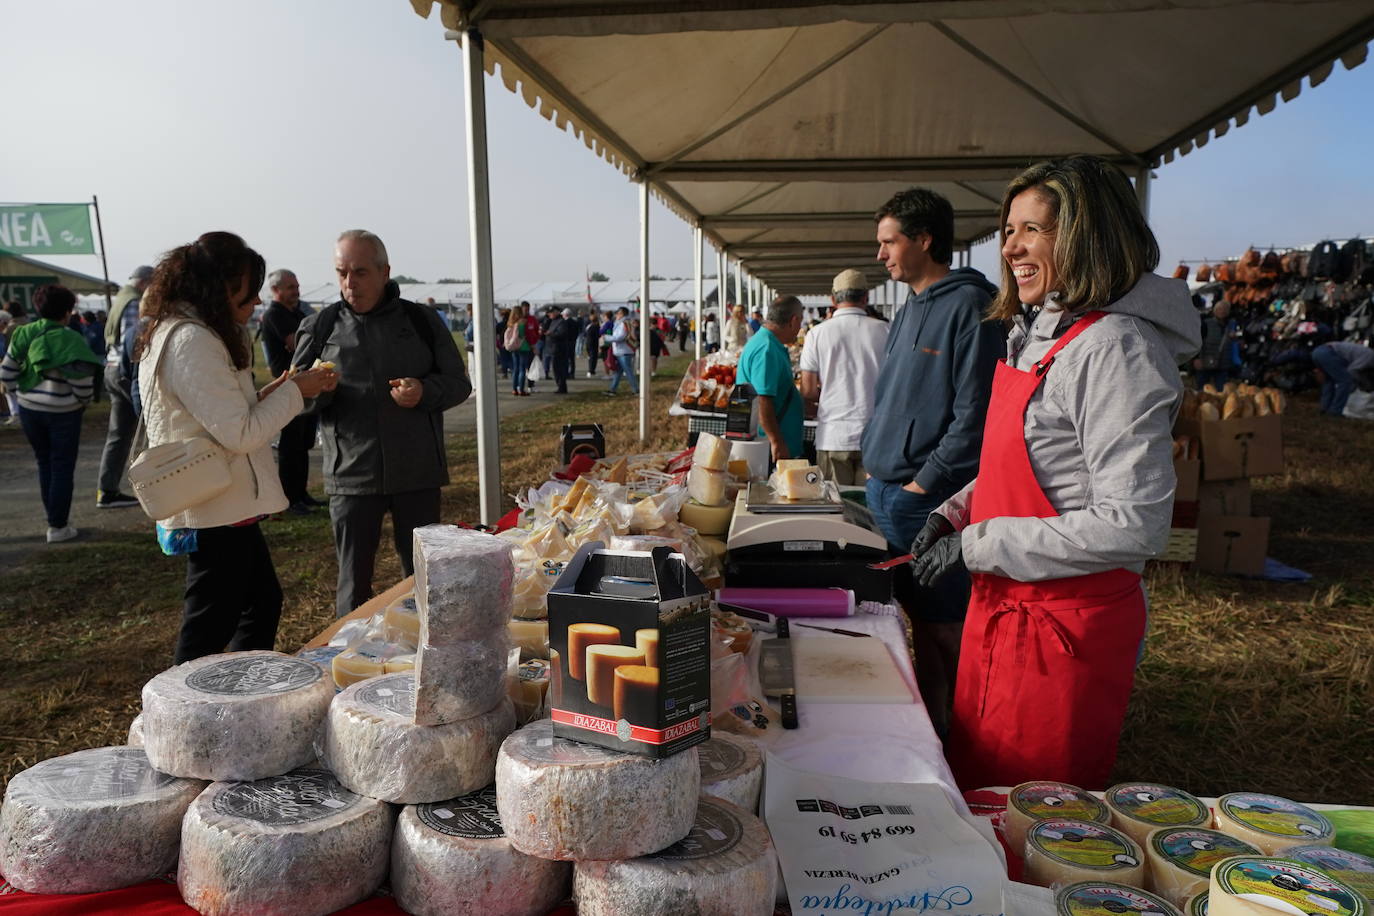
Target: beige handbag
<point>175,476</point>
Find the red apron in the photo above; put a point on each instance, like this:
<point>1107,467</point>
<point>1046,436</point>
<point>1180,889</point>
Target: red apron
<point>1045,668</point>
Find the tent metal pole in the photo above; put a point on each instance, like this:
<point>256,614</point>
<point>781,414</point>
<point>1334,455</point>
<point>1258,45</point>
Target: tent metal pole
<point>483,316</point>
<point>739,284</point>
<point>696,259</point>
<point>644,316</point>
<point>720,284</point>
<point>1142,191</point>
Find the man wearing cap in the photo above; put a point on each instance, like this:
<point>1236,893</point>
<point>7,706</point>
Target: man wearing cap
<point>839,371</point>
<point>119,438</point>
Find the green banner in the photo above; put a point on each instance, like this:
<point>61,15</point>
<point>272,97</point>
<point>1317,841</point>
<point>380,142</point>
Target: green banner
<point>39,229</point>
<point>22,290</point>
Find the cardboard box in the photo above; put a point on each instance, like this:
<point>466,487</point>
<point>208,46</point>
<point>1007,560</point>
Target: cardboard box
<point>1224,497</point>
<point>1232,544</point>
<point>1239,447</point>
<point>582,439</point>
<point>630,654</point>
<point>1189,473</point>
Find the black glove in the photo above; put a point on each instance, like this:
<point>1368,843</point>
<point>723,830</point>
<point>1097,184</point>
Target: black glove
<point>945,555</point>
<point>936,527</point>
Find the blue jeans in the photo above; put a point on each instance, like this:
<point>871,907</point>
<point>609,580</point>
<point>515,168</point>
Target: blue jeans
<point>520,369</point>
<point>1339,383</point>
<point>625,366</point>
<point>55,438</point>
<point>900,515</point>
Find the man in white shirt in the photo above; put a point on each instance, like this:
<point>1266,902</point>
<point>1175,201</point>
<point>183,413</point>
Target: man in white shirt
<point>839,370</point>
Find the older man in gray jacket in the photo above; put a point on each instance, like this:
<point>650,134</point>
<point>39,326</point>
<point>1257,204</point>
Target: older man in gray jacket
<point>383,427</point>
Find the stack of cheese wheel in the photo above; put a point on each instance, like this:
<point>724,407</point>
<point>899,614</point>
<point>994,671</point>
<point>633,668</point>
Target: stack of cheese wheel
<point>1034,801</point>
<point>707,509</point>
<point>1271,824</point>
<point>1346,867</point>
<point>1102,898</point>
<point>1063,851</point>
<point>1263,886</point>
<point>1140,808</point>
<point>732,769</point>
<point>1181,859</point>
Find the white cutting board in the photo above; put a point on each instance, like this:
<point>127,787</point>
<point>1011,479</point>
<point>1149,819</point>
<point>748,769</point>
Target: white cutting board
<point>846,669</point>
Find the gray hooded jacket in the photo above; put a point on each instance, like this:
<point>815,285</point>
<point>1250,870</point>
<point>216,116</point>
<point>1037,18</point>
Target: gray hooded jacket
<point>1098,431</point>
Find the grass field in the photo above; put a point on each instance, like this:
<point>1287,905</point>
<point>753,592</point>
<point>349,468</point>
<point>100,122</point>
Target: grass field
<point>1246,685</point>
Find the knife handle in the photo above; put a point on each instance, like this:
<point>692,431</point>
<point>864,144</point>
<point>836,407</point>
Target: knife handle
<point>784,632</point>
<point>789,710</point>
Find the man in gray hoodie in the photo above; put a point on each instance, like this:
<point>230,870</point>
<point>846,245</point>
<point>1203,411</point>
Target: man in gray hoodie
<point>922,443</point>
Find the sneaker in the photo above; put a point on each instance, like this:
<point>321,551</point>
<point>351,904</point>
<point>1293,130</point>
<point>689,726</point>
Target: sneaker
<point>115,500</point>
<point>299,509</point>
<point>58,535</point>
<point>11,421</point>
<point>312,502</point>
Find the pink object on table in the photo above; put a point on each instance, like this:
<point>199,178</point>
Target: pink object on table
<point>792,602</point>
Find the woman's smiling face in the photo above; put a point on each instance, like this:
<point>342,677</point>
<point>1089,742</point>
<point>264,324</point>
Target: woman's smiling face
<point>1028,245</point>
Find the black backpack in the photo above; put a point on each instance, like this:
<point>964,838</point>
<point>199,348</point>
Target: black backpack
<point>1324,261</point>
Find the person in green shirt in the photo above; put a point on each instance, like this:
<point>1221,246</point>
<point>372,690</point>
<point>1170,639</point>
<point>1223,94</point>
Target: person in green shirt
<point>765,365</point>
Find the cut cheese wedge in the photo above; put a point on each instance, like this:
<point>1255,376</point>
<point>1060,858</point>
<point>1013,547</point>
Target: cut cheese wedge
<point>532,636</point>
<point>792,464</point>
<point>1104,898</point>
<point>1140,808</point>
<point>1181,859</point>
<point>799,483</point>
<point>1063,851</point>
<point>712,452</point>
<point>1270,823</point>
<point>1264,886</point>
<point>1036,801</point>
<point>706,487</point>
<point>1346,867</point>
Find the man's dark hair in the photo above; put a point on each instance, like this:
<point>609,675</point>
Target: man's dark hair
<point>54,302</point>
<point>922,210</point>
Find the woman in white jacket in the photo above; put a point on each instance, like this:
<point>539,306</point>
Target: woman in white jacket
<point>197,309</point>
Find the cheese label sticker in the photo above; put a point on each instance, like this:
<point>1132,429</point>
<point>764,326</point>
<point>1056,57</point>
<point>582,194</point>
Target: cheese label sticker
<point>1197,905</point>
<point>255,675</point>
<point>1089,899</point>
<point>297,797</point>
<point>1198,850</point>
<point>719,759</point>
<point>1159,805</point>
<point>1275,816</point>
<point>95,775</point>
<point>1083,844</point>
<point>472,816</point>
<point>394,694</point>
<point>1347,867</point>
<point>1055,799</point>
<point>715,832</point>
<point>536,669</point>
<point>1287,886</point>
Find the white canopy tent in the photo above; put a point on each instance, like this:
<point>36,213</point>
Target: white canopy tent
<point>776,127</point>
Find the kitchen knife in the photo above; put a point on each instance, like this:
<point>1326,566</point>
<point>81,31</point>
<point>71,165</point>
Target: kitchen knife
<point>776,675</point>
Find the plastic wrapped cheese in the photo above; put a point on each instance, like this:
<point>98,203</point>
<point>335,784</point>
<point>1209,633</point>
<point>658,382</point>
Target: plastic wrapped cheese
<point>561,799</point>
<point>1033,801</point>
<point>401,621</point>
<point>798,483</point>
<point>1103,898</point>
<point>707,487</point>
<point>1261,886</point>
<point>1140,808</point>
<point>399,664</point>
<point>529,689</point>
<point>792,464</point>
<point>732,769</point>
<point>243,715</point>
<point>374,747</point>
<point>712,452</point>
<point>452,858</point>
<point>362,661</point>
<point>532,636</point>
<point>726,866</point>
<point>1349,868</point>
<point>1181,859</point>
<point>136,731</point>
<point>463,584</point>
<point>1270,823</point>
<point>1062,851</point>
<point>460,680</point>
<point>91,821</point>
<point>1196,905</point>
<point>298,844</point>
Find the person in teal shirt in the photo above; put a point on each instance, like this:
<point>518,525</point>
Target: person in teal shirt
<point>765,365</point>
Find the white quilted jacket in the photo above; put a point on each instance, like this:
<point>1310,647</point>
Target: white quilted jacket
<point>198,392</point>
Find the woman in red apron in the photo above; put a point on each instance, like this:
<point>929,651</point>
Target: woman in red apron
<point>1075,486</point>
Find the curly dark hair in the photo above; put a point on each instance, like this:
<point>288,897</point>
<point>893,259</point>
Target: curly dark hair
<point>54,302</point>
<point>202,277</point>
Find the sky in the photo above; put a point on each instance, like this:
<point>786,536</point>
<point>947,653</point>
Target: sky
<point>288,122</point>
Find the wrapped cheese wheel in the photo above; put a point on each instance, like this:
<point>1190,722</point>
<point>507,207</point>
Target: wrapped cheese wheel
<point>1103,898</point>
<point>1346,867</point>
<point>1264,886</point>
<point>1181,859</point>
<point>1063,851</point>
<point>1270,823</point>
<point>1035,801</point>
<point>1196,905</point>
<point>1140,808</point>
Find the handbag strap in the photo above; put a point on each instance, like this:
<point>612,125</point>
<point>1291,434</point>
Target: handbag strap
<point>141,429</point>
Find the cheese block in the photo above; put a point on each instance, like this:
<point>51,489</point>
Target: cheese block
<point>401,621</point>
<point>529,689</point>
<point>1349,868</point>
<point>243,715</point>
<point>792,464</point>
<point>726,866</point>
<point>374,747</point>
<point>1264,886</point>
<point>581,637</point>
<point>1270,823</point>
<point>738,468</point>
<point>298,844</point>
<point>1181,859</point>
<point>652,512</point>
<point>452,858</point>
<point>1140,808</point>
<point>712,452</point>
<point>91,821</point>
<point>463,584</point>
<point>136,732</point>
<point>707,520</point>
<point>561,799</point>
<point>362,661</point>
<point>1196,905</point>
<point>460,680</point>
<point>1033,801</point>
<point>732,769</point>
<point>532,636</point>
<point>602,660</point>
<point>1062,851</point>
<point>399,664</point>
<point>707,487</point>
<point>1103,898</point>
<point>713,547</point>
<point>799,483</point>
